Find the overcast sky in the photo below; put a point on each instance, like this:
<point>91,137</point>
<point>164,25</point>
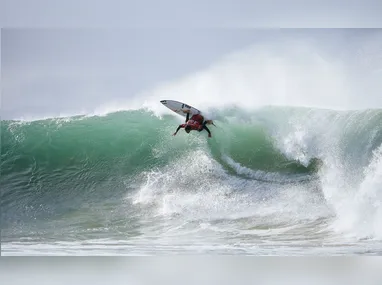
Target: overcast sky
<point>80,69</point>
<point>71,56</point>
<point>200,13</point>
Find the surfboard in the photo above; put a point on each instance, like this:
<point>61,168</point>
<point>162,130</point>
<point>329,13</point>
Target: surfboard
<point>183,108</point>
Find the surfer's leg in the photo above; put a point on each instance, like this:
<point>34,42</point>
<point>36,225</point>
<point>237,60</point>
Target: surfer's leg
<point>202,126</point>
<point>206,128</point>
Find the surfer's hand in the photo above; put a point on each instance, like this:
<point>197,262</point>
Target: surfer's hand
<point>209,135</point>
<point>174,134</point>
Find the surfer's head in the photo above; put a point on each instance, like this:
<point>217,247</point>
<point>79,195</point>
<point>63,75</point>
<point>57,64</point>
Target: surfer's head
<point>187,128</point>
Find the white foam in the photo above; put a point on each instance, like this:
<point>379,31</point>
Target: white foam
<point>355,199</point>
<point>360,213</point>
<point>255,174</point>
<point>197,188</point>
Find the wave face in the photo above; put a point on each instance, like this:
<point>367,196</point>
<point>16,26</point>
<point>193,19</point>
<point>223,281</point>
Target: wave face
<point>282,174</point>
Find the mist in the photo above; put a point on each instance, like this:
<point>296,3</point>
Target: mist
<point>64,72</point>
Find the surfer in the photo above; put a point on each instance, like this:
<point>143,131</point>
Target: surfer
<point>196,123</point>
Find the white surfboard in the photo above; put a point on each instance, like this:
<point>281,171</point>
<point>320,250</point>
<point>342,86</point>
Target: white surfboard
<point>183,108</point>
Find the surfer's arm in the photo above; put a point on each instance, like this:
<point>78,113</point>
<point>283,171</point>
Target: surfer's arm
<point>188,114</point>
<point>180,126</point>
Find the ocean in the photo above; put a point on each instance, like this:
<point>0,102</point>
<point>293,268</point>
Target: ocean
<point>270,181</point>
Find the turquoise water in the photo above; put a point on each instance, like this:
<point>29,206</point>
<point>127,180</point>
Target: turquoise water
<point>270,181</point>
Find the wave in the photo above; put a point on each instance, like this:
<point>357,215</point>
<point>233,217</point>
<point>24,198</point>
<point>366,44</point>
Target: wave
<point>53,165</point>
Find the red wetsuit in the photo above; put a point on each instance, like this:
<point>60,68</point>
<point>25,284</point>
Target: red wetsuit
<point>196,123</point>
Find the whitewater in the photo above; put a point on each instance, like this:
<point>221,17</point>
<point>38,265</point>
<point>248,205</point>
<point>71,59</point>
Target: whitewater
<point>294,166</point>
